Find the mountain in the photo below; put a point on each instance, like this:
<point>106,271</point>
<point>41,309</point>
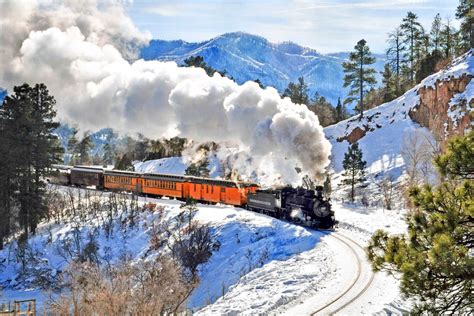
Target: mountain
<point>248,57</point>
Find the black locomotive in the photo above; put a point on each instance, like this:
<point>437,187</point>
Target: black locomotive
<point>306,207</point>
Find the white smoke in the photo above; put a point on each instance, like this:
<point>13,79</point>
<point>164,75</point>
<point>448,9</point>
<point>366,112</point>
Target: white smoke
<point>78,51</point>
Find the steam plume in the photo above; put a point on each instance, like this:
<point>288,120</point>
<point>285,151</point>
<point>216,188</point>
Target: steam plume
<point>84,55</point>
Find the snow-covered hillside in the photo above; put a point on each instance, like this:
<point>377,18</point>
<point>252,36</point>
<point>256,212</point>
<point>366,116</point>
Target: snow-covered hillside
<point>247,241</point>
<point>176,165</point>
<point>381,131</point>
<point>262,265</point>
<point>248,57</point>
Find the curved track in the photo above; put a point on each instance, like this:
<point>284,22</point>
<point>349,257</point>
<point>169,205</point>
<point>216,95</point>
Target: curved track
<point>361,282</point>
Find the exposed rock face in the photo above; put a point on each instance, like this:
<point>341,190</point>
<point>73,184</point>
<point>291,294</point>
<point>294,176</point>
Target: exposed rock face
<point>434,107</point>
<point>356,134</point>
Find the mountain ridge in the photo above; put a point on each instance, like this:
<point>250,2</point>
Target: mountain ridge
<point>249,57</point>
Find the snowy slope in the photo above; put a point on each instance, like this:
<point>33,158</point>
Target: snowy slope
<point>176,165</point>
<point>248,242</point>
<point>248,57</point>
<point>386,125</point>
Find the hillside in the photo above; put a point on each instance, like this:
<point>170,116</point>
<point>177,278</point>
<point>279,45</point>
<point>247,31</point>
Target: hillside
<point>248,57</point>
<point>441,105</point>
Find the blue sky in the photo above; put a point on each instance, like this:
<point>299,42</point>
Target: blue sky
<point>325,25</point>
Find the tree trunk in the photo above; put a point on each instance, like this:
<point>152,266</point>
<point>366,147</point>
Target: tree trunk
<point>361,75</point>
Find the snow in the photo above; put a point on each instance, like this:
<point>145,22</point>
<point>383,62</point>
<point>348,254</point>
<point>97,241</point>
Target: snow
<point>176,165</point>
<point>249,242</point>
<point>172,165</point>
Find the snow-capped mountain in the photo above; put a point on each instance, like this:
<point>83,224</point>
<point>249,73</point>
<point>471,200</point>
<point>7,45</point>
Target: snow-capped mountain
<point>249,57</point>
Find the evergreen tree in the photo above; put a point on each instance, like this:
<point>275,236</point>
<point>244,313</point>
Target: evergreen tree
<point>414,40</point>
<point>358,76</point>
<point>435,34</point>
<point>7,174</point>
<point>108,158</point>
<point>83,149</point>
<point>341,112</point>
<point>141,148</point>
<point>395,53</point>
<point>28,121</point>
<point>199,169</point>
<point>327,187</point>
<point>427,65</point>
<point>72,147</point>
<point>124,163</point>
<point>354,165</point>
<point>260,84</point>
<point>465,13</point>
<point>323,109</point>
<point>198,62</point>
<point>458,161</point>
<point>447,40</point>
<point>435,257</point>
<point>297,92</point>
<point>389,87</point>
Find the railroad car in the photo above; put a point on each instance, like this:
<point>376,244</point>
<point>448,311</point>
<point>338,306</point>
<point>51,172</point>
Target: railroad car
<point>164,185</point>
<point>117,180</point>
<point>219,191</point>
<point>83,176</point>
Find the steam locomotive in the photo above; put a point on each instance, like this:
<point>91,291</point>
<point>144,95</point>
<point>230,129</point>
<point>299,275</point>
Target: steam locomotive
<point>305,207</point>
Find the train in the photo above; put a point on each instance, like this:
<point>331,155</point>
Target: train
<point>306,207</point>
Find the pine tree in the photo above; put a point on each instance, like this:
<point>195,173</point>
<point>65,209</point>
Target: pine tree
<point>199,169</point>
<point>447,39</point>
<point>389,84</point>
<point>327,187</point>
<point>297,92</point>
<point>72,147</point>
<point>395,54</point>
<point>83,149</point>
<point>435,34</point>
<point>108,158</point>
<point>198,62</point>
<point>323,109</point>
<point>465,13</point>
<point>458,161</point>
<point>7,186</point>
<point>435,257</point>
<point>414,40</point>
<point>124,163</point>
<point>358,76</point>
<point>354,165</point>
<point>341,112</point>
<point>28,121</point>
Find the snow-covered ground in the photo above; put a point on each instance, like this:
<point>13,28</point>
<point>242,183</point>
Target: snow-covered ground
<point>263,265</point>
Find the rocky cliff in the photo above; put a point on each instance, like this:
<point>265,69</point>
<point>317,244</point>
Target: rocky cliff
<point>444,109</point>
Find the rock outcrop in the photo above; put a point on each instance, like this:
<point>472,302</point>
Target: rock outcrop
<point>436,103</point>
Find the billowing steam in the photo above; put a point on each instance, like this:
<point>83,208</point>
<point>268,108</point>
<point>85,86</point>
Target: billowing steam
<point>83,55</point>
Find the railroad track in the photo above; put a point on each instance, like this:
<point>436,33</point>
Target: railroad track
<point>357,287</point>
